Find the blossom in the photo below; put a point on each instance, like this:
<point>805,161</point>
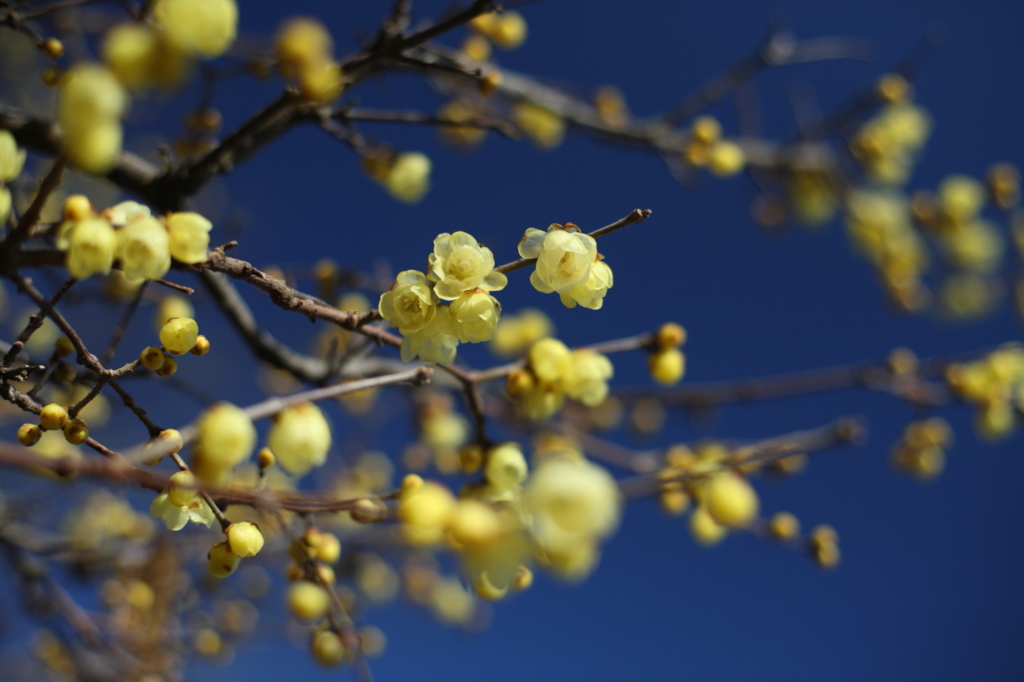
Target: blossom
<point>204,27</point>
<point>143,249</point>
<point>226,435</point>
<point>300,438</point>
<point>141,56</point>
<point>516,333</point>
<point>549,359</point>
<point>564,257</point>
<point>178,335</point>
<point>408,178</point>
<point>177,517</point>
<point>189,236</point>
<point>244,539</point>
<point>475,316</point>
<point>410,304</point>
<point>591,292</point>
<point>12,160</point>
<point>436,342</point>
<point>586,378</point>
<point>543,400</point>
<point>730,499</point>
<point>90,102</point>
<point>505,468</point>
<point>460,264</point>
<point>91,244</point>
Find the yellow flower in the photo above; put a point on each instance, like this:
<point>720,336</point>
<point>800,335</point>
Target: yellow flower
<point>12,160</point>
<point>90,102</point>
<point>564,257</point>
<point>667,366</point>
<point>550,359</point>
<point>516,333</point>
<point>408,179</point>
<point>177,517</point>
<point>459,264</point>
<point>220,561</point>
<point>410,304</point>
<point>572,502</point>
<point>505,468</point>
<point>91,245</point>
<point>730,499</point>
<point>475,316</point>
<point>590,293</point>
<point>178,335</point>
<point>436,342</point>
<point>586,378</point>
<point>543,400</point>
<point>244,539</point>
<point>143,249</point>
<point>226,435</point>
<point>300,438</point>
<point>189,237</point>
<point>544,128</point>
<point>204,27</point>
<point>141,57</point>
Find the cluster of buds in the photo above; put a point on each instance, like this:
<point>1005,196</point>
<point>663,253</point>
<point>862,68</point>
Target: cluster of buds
<point>995,386</point>
<point>887,144</point>
<point>12,160</point>
<point>921,452</point>
<point>179,335</point>
<point>129,234</point>
<point>553,371</point>
<point>666,362</point>
<point>54,417</point>
<point>305,54</point>
<point>706,148</point>
<point>459,271</point>
<point>567,264</point>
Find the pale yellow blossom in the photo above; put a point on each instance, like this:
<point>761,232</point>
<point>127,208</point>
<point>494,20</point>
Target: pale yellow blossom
<point>459,264</point>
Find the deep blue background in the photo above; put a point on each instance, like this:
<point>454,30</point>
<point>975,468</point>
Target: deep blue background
<point>930,584</point>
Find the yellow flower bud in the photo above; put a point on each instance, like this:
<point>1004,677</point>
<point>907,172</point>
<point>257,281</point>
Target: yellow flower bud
<point>329,549</point>
<point>410,484</point>
<point>168,367</point>
<point>544,128</point>
<point>76,431</point>
<point>475,316</point>
<point>523,579</point>
<point>244,539</point>
<point>550,360</point>
<point>726,159</point>
<point>12,159</point>
<point>730,499</point>
<point>586,378</point>
<point>673,502</point>
<point>308,602</point>
<point>477,48</point>
<point>784,527</point>
<point>226,435</point>
<point>430,506</point>
<point>53,417</point>
<point>667,366</point>
<point>367,510</point>
<point>506,467</point>
<point>182,488</point>
<point>204,27</point>
<point>202,346</point>
<point>705,529</point>
<point>178,335</point>
<point>300,438</point>
<point>220,561</point>
<point>265,458</point>
<point>706,129</point>
<point>328,649</point>
<point>91,247</point>
<point>143,249</point>
<point>670,335</point>
<point>29,434</point>
<point>151,358</point>
<point>519,382</point>
<point>189,237</point>
<point>408,180</point>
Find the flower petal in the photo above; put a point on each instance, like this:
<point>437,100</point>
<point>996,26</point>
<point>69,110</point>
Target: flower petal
<point>532,242</point>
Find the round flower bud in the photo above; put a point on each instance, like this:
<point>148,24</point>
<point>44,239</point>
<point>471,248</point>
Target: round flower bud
<point>328,649</point>
<point>226,435</point>
<point>329,549</point>
<point>726,159</point>
<point>300,438</point>
<point>667,366</point>
<point>95,149</point>
<point>151,358</point>
<point>730,499</point>
<point>167,442</point>
<point>178,335</point>
<point>265,458</point>
<point>12,160</point>
<point>308,602</point>
<point>182,489</point>
<point>705,529</point>
<point>202,346</point>
<point>523,579</point>
<point>471,457</point>
<point>410,484</point>
<point>91,246</point>
<point>549,359</point>
<point>509,30</point>
<point>53,48</point>
<point>475,316</point>
<point>367,510</point>
<point>430,506</point>
<point>670,335</point>
<point>474,523</point>
<point>706,129</point>
<point>822,534</point>
<point>544,128</point>
<point>90,95</point>
<point>143,249</point>
<point>244,539</point>
<point>63,347</point>
<point>784,527</point>
<point>189,237</point>
<point>29,434</point>
<point>519,382</point>
<point>76,431</point>
<point>302,41</point>
<point>53,417</point>
<point>204,27</point>
<point>410,303</point>
<point>506,467</point>
<point>169,367</point>
<point>409,177</point>
<point>220,561</point>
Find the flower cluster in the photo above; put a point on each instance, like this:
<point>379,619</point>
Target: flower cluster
<point>459,271</point>
<point>887,144</point>
<point>921,452</point>
<point>666,362</point>
<point>568,264</point>
<point>305,54</point>
<point>130,234</point>
<point>90,104</point>
<point>995,385</point>
<point>554,371</point>
<point>706,148</point>
<point>12,160</point>
<point>54,417</point>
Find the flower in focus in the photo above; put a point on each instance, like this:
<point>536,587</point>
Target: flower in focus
<point>459,264</point>
<point>410,304</point>
<point>178,335</point>
<point>564,257</point>
<point>189,236</point>
<point>475,316</point>
<point>591,292</point>
<point>300,438</point>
